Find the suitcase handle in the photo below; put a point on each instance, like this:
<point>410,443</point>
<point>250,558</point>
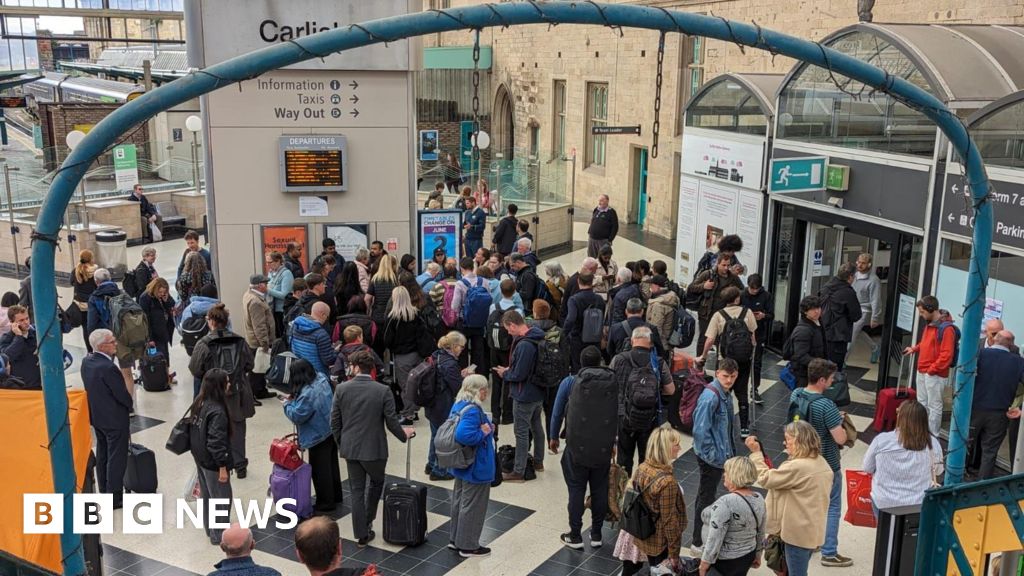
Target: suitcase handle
<point>408,458</point>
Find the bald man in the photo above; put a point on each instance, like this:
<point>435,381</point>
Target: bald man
<point>997,392</point>
<point>310,340</point>
<point>604,226</point>
<point>993,327</point>
<point>237,543</point>
<point>318,545</point>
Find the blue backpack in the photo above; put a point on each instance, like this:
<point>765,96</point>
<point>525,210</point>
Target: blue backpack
<point>476,306</point>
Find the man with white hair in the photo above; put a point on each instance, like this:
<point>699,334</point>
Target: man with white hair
<point>363,264</point>
<point>604,226</point>
<point>430,276</point>
<point>237,543</point>
<point>98,316</point>
<point>110,406</point>
<point>524,246</point>
<point>572,286</point>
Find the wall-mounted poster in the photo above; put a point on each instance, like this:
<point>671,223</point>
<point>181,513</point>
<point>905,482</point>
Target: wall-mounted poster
<point>276,238</point>
<point>735,163</point>
<point>348,238</point>
<point>438,229</point>
<point>428,144</point>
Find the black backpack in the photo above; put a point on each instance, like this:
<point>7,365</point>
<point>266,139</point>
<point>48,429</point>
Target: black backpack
<point>592,417</point>
<point>129,284</point>
<point>192,331</point>
<point>592,328</point>
<point>552,365</point>
<point>734,341</point>
<point>626,344</point>
<point>643,393</point>
<point>498,337</point>
<point>227,355</point>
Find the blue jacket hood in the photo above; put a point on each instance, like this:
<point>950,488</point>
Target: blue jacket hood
<point>108,288</point>
<point>201,303</point>
<point>305,325</point>
<point>535,333</point>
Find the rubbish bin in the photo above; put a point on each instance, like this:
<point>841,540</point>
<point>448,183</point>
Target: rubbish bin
<point>112,252</point>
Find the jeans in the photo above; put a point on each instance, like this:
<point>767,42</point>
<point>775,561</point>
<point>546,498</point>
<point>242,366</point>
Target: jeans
<point>929,394</point>
<point>577,478</point>
<point>527,416</point>
<point>988,428</point>
<point>835,509</point>
<point>472,245</point>
<point>631,441</point>
<point>707,493</point>
<point>211,487</point>
<point>797,559</point>
<point>432,453</point>
<point>365,499</point>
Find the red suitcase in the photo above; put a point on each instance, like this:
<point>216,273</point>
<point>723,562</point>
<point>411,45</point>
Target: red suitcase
<point>889,399</point>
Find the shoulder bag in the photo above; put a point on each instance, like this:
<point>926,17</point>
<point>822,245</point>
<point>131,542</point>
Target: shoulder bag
<point>638,519</point>
<point>179,440</point>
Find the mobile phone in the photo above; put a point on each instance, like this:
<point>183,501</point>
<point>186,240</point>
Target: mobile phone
<point>471,368</point>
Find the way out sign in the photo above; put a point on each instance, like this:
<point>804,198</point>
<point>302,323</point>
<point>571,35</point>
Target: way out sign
<point>126,167</point>
<point>806,174</point>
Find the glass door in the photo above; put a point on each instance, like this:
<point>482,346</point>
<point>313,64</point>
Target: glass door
<point>822,255</point>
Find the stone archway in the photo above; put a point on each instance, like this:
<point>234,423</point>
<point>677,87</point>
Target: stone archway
<point>504,124</point>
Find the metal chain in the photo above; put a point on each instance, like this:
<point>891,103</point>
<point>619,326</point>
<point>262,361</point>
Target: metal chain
<point>476,94</point>
<point>657,96</point>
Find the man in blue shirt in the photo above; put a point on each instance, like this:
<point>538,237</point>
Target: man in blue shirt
<point>237,543</point>
<point>475,221</point>
<point>527,397</point>
<point>712,441</point>
<point>430,276</point>
<point>1000,376</point>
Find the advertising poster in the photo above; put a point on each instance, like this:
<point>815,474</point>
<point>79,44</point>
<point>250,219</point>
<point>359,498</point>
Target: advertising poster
<point>276,238</point>
<point>993,311</point>
<point>428,144</point>
<point>735,163</point>
<point>126,167</point>
<point>348,238</point>
<point>438,229</point>
<point>686,258</point>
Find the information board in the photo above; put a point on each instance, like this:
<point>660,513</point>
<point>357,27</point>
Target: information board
<point>313,163</point>
<point>438,229</point>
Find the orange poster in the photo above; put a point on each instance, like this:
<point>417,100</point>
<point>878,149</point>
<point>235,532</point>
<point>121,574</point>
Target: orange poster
<point>276,238</point>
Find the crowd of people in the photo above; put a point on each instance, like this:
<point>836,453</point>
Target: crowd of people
<point>587,362</point>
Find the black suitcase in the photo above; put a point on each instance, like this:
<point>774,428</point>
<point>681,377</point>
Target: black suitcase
<point>405,509</point>
<point>140,475</point>
<point>154,373</point>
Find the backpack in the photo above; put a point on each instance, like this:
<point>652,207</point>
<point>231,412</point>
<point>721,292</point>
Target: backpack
<point>498,337</point>
<point>956,341</point>
<point>643,394</point>
<point>451,454</point>
<point>734,341</point>
<point>432,321</point>
<point>684,331</point>
<point>626,344</point>
<point>128,322</point>
<point>475,304</point>
<point>552,364</point>
<point>129,284</point>
<point>800,408</point>
<point>593,326</point>
<point>693,300</point>
<point>193,330</point>
<point>226,355</point>
<point>423,380</point>
<point>592,417</point>
<point>364,322</point>
<point>449,314</point>
<point>787,346</point>
<point>692,382</point>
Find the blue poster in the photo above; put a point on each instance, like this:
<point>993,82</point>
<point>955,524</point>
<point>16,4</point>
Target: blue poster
<point>428,144</point>
<point>439,229</point>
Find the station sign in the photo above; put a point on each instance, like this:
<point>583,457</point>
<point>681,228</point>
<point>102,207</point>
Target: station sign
<point>313,163</point>
<point>1007,208</point>
<point>804,174</point>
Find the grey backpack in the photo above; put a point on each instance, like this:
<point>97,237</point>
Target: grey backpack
<point>451,454</point>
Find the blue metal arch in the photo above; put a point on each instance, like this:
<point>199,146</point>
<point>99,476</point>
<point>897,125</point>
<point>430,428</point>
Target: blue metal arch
<point>247,66</point>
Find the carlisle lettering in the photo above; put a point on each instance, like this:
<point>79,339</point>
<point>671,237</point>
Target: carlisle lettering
<point>271,31</point>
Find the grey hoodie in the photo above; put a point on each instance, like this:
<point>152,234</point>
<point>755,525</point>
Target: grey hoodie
<point>869,294</point>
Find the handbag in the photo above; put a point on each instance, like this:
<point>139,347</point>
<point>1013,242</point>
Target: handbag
<point>285,452</point>
<point>788,377</point>
<point>261,362</point>
<point>858,499</point>
<point>74,315</point>
<point>775,553</point>
<point>179,440</point>
<point>839,391</point>
<point>851,431</point>
<point>637,517</point>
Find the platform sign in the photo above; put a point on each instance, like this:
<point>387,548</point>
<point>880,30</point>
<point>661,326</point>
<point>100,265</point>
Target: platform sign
<point>438,229</point>
<point>276,239</point>
<point>126,167</point>
<point>313,163</point>
<point>806,174</point>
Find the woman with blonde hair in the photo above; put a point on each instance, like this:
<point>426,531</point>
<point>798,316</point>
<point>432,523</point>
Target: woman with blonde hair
<point>734,525</point>
<point>378,295</point>
<point>400,335</point>
<point>798,494</point>
<point>655,482</point>
<point>157,303</point>
<point>904,461</point>
<point>449,381</point>
<point>83,284</point>
<point>472,490</point>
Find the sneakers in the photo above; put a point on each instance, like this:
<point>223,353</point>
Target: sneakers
<point>696,551</point>
<point>512,477</point>
<point>241,473</point>
<point>362,542</point>
<point>574,542</point>
<point>756,397</point>
<point>837,560</point>
<point>481,551</point>
<point>596,542</point>
<point>452,546</point>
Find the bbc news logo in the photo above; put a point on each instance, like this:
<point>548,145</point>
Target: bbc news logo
<point>144,513</point>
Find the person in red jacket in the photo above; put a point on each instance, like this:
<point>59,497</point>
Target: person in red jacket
<point>935,356</point>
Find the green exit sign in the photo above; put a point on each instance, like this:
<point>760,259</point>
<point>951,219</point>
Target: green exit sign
<point>837,177</point>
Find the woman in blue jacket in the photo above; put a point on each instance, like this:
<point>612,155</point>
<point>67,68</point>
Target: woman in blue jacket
<point>472,488</point>
<point>309,408</point>
<point>449,378</point>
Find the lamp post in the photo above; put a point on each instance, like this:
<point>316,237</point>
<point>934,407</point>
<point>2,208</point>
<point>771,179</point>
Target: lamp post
<point>194,124</point>
<point>10,215</point>
<point>572,202</point>
<point>72,140</point>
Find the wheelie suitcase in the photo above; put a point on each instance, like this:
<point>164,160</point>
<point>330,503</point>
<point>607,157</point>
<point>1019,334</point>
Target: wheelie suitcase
<point>889,399</point>
<point>405,509</point>
<point>154,373</point>
<point>140,475</point>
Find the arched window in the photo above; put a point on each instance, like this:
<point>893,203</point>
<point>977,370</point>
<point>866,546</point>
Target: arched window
<point>728,106</point>
<point>1000,136</point>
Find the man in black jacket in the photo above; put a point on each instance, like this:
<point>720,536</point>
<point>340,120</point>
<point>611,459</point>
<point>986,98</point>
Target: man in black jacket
<point>580,302</point>
<point>840,310</point>
<point>293,251</point>
<point>709,284</point>
<point>527,282</point>
<point>109,409</point>
<point>19,345</point>
<point>604,226</point>
<point>807,340</point>
<point>572,285</point>
<point>147,212</point>
<point>504,237</point>
<point>760,302</point>
<point>619,332</point>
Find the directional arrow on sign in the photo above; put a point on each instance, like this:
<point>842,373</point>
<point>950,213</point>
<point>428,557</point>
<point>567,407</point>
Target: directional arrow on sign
<point>956,189</point>
<point>354,112</point>
<point>354,99</point>
<point>950,218</point>
<point>354,84</point>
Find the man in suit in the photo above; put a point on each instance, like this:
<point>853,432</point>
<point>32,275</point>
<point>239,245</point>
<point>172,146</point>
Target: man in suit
<point>109,407</point>
<point>147,212</point>
<point>363,409</point>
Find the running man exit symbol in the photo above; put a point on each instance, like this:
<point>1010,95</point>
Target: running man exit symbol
<point>798,174</point>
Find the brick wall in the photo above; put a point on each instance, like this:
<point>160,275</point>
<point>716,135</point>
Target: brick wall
<point>449,136</point>
<point>58,119</point>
